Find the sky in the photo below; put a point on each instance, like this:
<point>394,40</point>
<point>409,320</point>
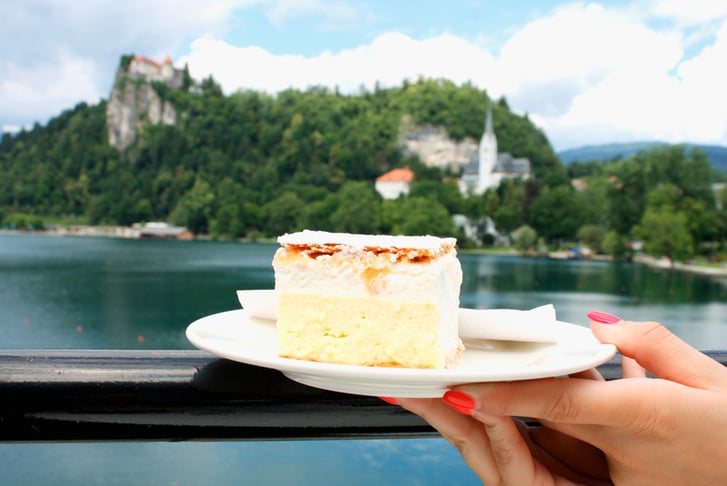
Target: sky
<point>584,72</point>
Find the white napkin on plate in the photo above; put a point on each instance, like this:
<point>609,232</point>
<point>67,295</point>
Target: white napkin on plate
<point>535,325</point>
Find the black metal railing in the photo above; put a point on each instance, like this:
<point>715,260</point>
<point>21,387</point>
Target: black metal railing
<point>102,395</point>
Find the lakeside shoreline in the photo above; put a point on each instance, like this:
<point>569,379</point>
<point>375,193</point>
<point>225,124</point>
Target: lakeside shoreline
<point>657,263</point>
<point>682,267</point>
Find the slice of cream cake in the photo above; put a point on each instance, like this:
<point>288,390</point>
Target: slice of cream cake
<point>372,300</point>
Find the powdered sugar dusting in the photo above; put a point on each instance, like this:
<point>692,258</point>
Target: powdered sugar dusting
<point>432,244</point>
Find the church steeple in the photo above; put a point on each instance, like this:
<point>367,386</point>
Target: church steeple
<point>488,153</point>
<point>488,121</point>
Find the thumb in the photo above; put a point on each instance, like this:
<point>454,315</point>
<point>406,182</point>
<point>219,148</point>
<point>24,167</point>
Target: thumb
<point>659,351</point>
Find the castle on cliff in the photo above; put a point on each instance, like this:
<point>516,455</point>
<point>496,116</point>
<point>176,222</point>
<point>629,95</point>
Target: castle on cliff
<point>489,167</point>
<point>132,106</point>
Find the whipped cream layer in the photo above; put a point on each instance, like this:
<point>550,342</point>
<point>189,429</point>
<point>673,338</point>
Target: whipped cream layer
<point>404,268</point>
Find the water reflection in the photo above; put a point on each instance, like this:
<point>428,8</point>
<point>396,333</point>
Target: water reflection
<point>691,305</point>
<point>637,282</point>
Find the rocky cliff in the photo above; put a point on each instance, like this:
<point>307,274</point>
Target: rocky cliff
<point>434,147</point>
<point>134,103</point>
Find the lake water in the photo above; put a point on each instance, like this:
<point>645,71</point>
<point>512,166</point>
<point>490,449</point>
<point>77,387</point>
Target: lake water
<point>74,292</point>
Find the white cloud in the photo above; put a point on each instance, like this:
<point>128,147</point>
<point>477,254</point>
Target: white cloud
<point>688,13</point>
<point>26,91</point>
<point>91,28</point>
<point>591,75</point>
<point>388,60</point>
<point>66,52</point>
<point>552,60</point>
<point>703,80</point>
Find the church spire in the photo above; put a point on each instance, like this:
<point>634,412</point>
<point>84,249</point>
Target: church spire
<point>488,120</point>
<point>488,154</point>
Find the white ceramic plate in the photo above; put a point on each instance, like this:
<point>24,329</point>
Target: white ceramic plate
<point>237,336</point>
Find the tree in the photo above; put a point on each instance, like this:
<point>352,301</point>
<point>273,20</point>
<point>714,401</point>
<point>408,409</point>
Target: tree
<point>358,211</point>
<point>227,222</point>
<point>665,234</point>
<point>701,223</point>
<point>316,215</point>
<point>491,203</point>
<point>579,168</point>
<point>511,213</point>
<point>416,216</point>
<point>194,208</point>
<point>592,236</point>
<point>593,201</point>
<point>423,216</point>
<point>507,219</point>
<point>556,214</point>
<point>525,238</point>
<point>614,244</point>
<point>688,170</point>
<point>626,194</point>
<point>282,214</point>
<point>446,193</point>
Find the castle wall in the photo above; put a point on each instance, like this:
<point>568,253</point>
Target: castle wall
<point>141,67</point>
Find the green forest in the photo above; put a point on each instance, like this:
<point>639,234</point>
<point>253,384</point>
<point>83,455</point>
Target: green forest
<point>252,165</point>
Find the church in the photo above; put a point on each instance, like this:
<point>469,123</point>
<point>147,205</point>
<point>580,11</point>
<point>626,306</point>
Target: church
<point>489,167</point>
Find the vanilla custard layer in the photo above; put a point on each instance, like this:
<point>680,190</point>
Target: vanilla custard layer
<point>359,330</point>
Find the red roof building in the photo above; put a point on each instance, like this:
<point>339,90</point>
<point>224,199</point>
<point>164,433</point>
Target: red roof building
<point>394,183</point>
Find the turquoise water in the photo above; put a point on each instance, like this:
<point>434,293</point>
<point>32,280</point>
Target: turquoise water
<point>73,292</point>
<point>361,462</point>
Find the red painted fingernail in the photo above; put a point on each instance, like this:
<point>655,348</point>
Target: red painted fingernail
<point>390,400</point>
<point>603,317</point>
<point>460,401</point>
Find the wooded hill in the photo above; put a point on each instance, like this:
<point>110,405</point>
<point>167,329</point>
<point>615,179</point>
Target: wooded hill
<point>235,155</point>
<point>252,164</point>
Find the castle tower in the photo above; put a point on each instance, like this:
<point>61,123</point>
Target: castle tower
<point>488,154</point>
<point>167,70</point>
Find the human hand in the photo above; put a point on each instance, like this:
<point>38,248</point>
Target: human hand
<point>636,430</point>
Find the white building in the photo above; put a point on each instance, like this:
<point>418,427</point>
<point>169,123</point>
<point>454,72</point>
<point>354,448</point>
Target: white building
<point>394,183</point>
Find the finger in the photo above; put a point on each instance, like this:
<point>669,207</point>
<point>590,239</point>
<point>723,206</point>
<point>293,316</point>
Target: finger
<point>537,455</point>
<point>511,452</point>
<point>581,408</point>
<point>662,353</point>
<point>553,400</point>
<point>630,368</point>
<point>463,432</point>
<point>569,457</point>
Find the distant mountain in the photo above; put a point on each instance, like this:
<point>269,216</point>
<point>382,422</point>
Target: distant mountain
<point>716,154</point>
